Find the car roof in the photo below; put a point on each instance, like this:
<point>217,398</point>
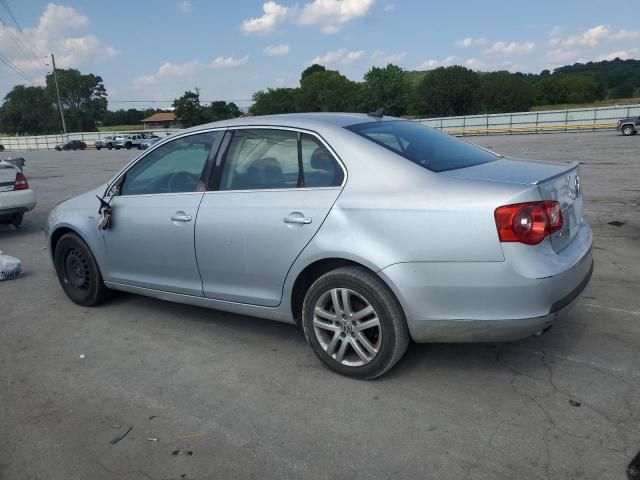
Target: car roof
<point>310,121</point>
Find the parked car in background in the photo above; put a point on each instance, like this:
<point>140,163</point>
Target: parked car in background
<point>133,141</point>
<point>119,142</point>
<point>16,197</point>
<point>72,145</point>
<point>629,126</point>
<point>105,142</point>
<point>366,230</point>
<point>147,142</point>
<point>1,148</point>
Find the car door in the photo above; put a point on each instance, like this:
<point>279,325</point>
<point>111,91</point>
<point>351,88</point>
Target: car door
<point>150,243</point>
<point>252,227</point>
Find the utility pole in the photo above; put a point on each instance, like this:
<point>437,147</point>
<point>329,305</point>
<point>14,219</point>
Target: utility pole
<point>55,78</point>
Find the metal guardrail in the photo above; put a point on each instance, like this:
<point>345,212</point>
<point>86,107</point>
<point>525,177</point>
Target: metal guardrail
<point>48,142</point>
<point>570,120</point>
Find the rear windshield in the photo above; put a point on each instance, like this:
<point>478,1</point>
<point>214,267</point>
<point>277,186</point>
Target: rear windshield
<point>429,148</point>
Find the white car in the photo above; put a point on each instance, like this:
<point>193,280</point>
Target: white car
<point>16,197</point>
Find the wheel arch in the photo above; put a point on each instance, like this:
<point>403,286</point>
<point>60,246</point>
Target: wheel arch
<point>315,270</point>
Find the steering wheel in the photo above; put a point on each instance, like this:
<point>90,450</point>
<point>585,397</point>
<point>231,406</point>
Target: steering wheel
<point>180,182</point>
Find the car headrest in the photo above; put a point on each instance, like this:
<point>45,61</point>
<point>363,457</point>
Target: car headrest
<point>322,160</point>
<point>265,172</point>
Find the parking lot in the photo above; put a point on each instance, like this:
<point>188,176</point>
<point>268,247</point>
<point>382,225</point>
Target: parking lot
<point>216,395</point>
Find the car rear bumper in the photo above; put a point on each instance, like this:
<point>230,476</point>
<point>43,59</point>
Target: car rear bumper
<point>18,201</point>
<point>486,301</point>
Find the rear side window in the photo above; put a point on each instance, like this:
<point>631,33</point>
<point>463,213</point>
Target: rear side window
<point>429,148</point>
<point>319,167</point>
<point>261,159</point>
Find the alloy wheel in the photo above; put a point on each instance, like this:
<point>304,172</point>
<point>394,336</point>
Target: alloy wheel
<point>347,327</point>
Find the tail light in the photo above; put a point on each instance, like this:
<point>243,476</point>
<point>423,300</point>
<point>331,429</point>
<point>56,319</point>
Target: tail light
<point>21,182</point>
<point>529,222</point>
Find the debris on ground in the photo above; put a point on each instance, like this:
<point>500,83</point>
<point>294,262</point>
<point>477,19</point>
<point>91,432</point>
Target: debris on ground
<point>152,417</point>
<point>175,453</point>
<point>82,356</point>
<point>152,439</point>
<point>10,267</point>
<point>190,435</point>
<point>616,223</point>
<point>121,436</point>
<point>574,403</point>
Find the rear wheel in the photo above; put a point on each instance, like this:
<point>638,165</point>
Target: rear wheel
<point>354,323</point>
<point>78,272</point>
<point>128,145</point>
<point>628,130</point>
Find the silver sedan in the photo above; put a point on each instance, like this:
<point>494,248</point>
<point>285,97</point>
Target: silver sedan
<point>368,231</point>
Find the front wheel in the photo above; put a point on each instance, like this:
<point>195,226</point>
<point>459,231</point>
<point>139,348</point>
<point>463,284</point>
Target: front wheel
<point>628,130</point>
<point>78,272</point>
<point>354,323</point>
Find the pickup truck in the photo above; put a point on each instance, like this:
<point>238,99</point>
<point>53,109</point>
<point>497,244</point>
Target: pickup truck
<point>629,126</point>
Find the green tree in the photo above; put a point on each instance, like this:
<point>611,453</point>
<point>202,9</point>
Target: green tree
<point>311,70</point>
<point>448,91</point>
<point>327,91</point>
<point>27,111</point>
<point>275,100</point>
<point>505,92</point>
<point>83,98</point>
<point>188,110</point>
<point>221,110</point>
<point>387,87</point>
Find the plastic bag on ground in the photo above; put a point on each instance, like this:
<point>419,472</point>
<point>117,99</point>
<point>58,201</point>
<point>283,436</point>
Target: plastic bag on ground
<point>10,267</point>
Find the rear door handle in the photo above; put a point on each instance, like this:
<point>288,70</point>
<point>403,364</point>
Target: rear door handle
<point>298,218</point>
<point>181,217</point>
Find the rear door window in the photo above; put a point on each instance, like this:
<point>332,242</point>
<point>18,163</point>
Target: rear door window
<point>424,146</point>
<point>260,159</point>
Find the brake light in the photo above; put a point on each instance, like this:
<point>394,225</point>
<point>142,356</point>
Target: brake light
<point>21,182</point>
<point>529,222</point>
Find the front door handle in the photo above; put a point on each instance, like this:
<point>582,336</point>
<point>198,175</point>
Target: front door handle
<point>181,217</point>
<point>297,217</point>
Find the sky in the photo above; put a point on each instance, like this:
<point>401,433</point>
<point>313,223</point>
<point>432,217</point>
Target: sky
<point>150,52</point>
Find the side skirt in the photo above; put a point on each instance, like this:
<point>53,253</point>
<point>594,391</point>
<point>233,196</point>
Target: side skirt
<point>269,313</point>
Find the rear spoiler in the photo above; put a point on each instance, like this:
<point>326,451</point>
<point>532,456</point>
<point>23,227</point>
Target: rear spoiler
<point>570,168</point>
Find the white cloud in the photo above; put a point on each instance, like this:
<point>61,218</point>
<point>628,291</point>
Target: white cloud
<point>330,29</point>
<point>276,50</point>
<point>341,56</point>
<point>53,34</point>
<point>591,37</point>
<point>169,69</point>
<point>510,48</point>
<point>474,64</point>
<point>626,35</point>
<point>433,63</point>
<point>381,58</point>
<point>470,42</point>
<point>622,54</point>
<point>273,15</point>
<point>389,7</point>
<point>229,62</point>
<point>144,81</point>
<point>329,13</point>
<point>185,6</point>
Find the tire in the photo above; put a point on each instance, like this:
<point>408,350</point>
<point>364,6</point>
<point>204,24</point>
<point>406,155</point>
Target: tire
<point>109,146</point>
<point>17,219</point>
<point>78,272</point>
<point>380,346</point>
<point>628,130</point>
<point>98,148</point>
<point>127,145</point>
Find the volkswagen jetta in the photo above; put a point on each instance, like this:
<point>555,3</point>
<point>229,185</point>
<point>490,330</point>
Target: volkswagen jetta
<point>369,231</point>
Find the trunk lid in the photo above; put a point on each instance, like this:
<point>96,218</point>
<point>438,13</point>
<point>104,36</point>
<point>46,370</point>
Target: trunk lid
<point>7,176</point>
<point>555,181</point>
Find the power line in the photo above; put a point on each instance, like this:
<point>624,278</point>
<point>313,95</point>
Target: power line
<point>6,61</point>
<point>26,50</point>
